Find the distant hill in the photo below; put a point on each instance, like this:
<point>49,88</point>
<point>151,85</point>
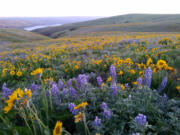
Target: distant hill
<point>16,35</point>
<point>22,22</point>
<point>128,23</point>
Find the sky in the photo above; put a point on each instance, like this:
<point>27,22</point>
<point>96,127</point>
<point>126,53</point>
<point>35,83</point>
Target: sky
<point>36,8</point>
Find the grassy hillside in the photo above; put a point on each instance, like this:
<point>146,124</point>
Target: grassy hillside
<point>128,23</point>
<point>16,35</point>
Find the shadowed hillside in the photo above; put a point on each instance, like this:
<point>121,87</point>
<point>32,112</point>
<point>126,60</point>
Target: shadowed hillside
<point>128,23</point>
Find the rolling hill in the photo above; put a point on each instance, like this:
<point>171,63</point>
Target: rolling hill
<point>17,35</point>
<point>127,23</point>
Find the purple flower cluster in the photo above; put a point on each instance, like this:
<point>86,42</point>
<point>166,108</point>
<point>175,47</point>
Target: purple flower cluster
<point>99,80</point>
<point>141,119</point>
<point>71,108</point>
<point>60,84</point>
<point>106,113</point>
<point>139,82</point>
<point>103,106</point>
<point>6,91</point>
<point>54,89</point>
<point>113,73</point>
<point>34,86</point>
<point>148,77</point>
<point>82,80</point>
<point>73,92</point>
<point>97,122</point>
<point>126,86</point>
<point>114,89</point>
<point>136,134</point>
<point>163,84</point>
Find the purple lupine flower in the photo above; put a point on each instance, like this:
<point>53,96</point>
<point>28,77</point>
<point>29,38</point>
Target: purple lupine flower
<point>73,92</point>
<point>107,114</point>
<point>6,91</point>
<point>163,84</point>
<point>103,106</point>
<point>113,72</point>
<point>69,82</point>
<point>139,82</point>
<point>126,86</point>
<point>97,122</point>
<point>148,77</point>
<point>71,108</point>
<point>84,57</point>
<point>54,89</point>
<point>136,134</point>
<point>60,84</point>
<point>114,89</point>
<point>141,119</point>
<point>64,92</point>
<point>35,86</point>
<point>99,80</point>
<point>82,80</point>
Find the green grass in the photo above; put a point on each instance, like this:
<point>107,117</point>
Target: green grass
<point>16,35</point>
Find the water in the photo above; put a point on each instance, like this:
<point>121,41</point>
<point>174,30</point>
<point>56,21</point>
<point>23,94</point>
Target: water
<point>40,26</point>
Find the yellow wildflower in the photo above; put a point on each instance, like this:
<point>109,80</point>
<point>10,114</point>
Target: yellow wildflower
<point>161,64</point>
<point>148,62</point>
<point>178,88</point>
<point>82,105</point>
<point>132,71</point>
<point>12,73</point>
<point>37,71</point>
<point>120,72</point>
<point>122,87</point>
<point>58,128</point>
<point>109,79</point>
<point>78,117</point>
<point>76,67</point>
<point>19,73</point>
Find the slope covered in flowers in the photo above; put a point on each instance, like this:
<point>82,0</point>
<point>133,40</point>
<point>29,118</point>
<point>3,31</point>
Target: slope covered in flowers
<point>43,81</point>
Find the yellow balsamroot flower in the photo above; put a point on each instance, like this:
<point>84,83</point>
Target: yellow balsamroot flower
<point>178,88</point>
<point>28,93</point>
<point>58,128</point>
<point>122,87</point>
<point>98,62</point>
<point>98,134</point>
<point>161,63</point>
<point>148,62</point>
<point>109,79</point>
<point>76,67</point>
<point>19,73</point>
<point>82,105</point>
<point>12,73</point>
<point>79,117</point>
<point>37,71</point>
<point>132,71</point>
<point>120,72</point>
<point>48,80</point>
<point>16,95</point>
<point>135,83</point>
<point>102,84</point>
<point>141,73</point>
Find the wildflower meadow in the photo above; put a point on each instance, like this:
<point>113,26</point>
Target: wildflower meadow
<point>102,83</point>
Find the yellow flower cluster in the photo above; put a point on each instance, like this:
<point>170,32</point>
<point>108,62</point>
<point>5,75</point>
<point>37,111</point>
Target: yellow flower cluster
<point>37,71</point>
<point>15,96</point>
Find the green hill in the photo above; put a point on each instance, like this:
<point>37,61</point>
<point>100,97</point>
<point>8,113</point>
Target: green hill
<point>16,35</point>
<point>128,23</point>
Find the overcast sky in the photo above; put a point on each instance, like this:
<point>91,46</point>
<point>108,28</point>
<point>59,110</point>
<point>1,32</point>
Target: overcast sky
<point>86,7</point>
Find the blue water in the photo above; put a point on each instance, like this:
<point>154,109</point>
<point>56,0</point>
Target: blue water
<point>40,26</point>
